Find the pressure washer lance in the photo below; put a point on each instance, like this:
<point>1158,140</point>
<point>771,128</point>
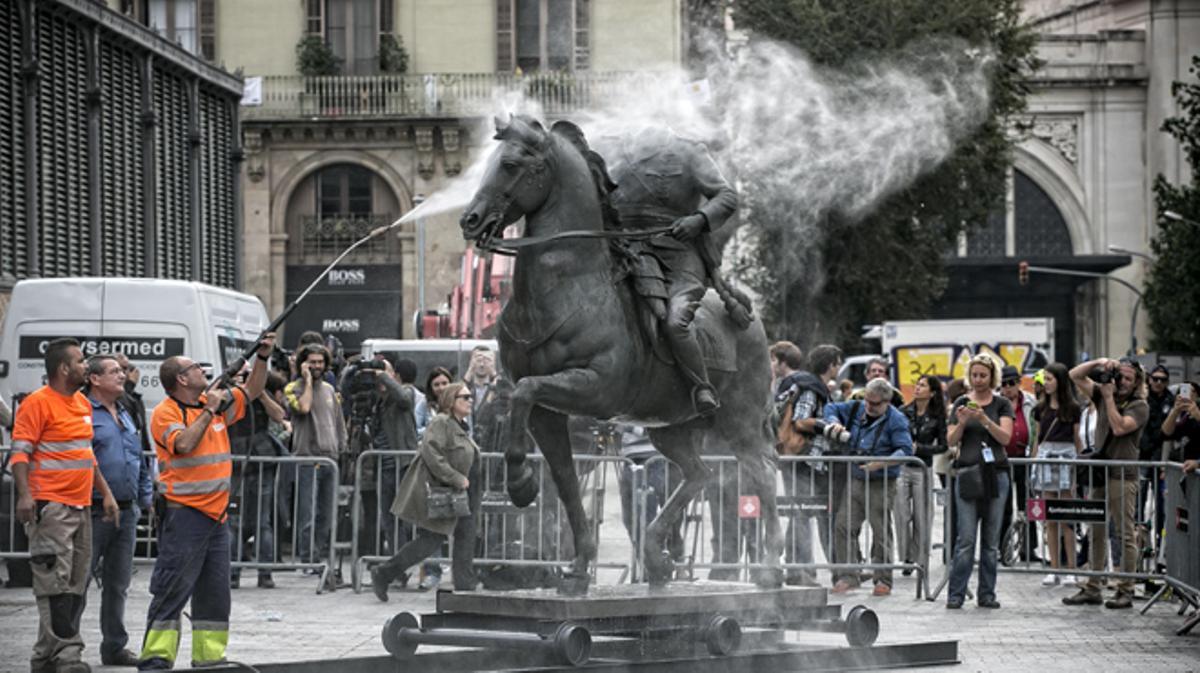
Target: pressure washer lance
<point>226,378</point>
<point>236,366</point>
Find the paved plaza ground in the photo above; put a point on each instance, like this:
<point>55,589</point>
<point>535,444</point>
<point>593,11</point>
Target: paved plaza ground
<point>1033,631</point>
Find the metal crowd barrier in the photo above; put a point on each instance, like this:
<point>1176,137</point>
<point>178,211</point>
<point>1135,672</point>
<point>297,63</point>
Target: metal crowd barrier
<point>509,537</point>
<point>1057,498</point>
<point>813,489</point>
<point>272,509</point>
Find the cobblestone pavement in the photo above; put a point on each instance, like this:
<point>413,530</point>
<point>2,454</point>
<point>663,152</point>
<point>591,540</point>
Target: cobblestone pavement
<point>1033,630</point>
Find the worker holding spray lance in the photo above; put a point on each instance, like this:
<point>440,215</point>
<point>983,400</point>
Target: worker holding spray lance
<point>189,429</point>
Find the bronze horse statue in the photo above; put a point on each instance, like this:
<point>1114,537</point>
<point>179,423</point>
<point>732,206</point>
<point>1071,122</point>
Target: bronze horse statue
<point>571,341</point>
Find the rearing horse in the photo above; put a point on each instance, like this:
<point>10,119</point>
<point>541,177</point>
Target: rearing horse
<point>571,341</point>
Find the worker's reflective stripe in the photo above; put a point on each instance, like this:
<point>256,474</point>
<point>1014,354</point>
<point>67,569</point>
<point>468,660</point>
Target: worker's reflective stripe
<point>166,435</point>
<point>205,625</point>
<point>199,487</point>
<point>161,642</point>
<point>193,461</point>
<point>51,464</point>
<point>57,447</point>
<point>208,646</point>
<point>22,446</point>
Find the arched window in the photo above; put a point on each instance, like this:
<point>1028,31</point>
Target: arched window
<point>333,208</point>
<point>1034,227</point>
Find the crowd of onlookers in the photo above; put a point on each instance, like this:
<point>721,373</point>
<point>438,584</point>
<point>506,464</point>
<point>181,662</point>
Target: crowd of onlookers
<point>993,445</point>
<point>965,431</point>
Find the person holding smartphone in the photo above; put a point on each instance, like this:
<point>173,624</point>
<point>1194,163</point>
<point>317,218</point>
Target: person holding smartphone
<point>1183,422</point>
<point>981,425</point>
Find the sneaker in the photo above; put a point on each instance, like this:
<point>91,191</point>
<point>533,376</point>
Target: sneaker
<point>430,582</point>
<point>1084,597</point>
<point>954,604</point>
<point>1050,580</point>
<point>990,603</point>
<point>882,590</point>
<point>842,587</point>
<point>1070,580</point>
<point>265,582</point>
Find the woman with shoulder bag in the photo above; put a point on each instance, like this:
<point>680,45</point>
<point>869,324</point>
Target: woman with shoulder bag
<point>981,425</point>
<point>1058,438</point>
<point>439,495</point>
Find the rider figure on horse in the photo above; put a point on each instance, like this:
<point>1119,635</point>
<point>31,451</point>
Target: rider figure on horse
<point>664,180</point>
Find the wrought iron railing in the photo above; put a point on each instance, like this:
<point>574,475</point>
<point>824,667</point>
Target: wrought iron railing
<point>323,237</point>
<point>433,95</point>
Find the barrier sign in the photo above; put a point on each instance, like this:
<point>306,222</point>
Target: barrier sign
<point>748,507</point>
<point>1082,511</point>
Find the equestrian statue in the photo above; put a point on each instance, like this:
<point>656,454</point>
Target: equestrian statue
<point>611,316</point>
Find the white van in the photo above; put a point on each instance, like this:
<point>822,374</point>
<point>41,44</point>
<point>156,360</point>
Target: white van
<point>147,319</point>
<point>453,354</point>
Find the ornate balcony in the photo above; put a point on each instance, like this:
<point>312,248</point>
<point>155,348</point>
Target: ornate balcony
<point>431,95</point>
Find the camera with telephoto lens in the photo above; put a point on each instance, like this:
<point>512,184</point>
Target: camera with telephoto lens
<point>1101,375</point>
<point>827,429</point>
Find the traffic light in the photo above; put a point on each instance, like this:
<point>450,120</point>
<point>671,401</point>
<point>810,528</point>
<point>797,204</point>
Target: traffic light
<point>1023,273</point>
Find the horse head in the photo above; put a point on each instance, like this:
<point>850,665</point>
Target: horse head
<point>514,183</point>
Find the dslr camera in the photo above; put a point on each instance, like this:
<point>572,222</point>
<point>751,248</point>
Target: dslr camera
<point>827,429</point>
<point>1101,375</point>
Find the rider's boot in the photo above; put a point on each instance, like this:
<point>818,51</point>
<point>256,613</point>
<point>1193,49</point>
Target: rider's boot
<point>691,362</point>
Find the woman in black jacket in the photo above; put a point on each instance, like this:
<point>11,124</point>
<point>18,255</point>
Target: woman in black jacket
<point>927,422</point>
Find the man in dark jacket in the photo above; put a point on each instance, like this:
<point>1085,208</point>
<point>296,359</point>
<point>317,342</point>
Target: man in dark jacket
<point>806,484</point>
<point>1160,399</point>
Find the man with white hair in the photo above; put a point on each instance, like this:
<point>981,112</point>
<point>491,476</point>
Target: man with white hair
<point>877,429</point>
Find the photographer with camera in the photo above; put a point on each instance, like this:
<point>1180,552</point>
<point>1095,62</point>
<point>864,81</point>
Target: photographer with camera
<point>318,429</point>
<point>871,428</point>
<point>1117,388</point>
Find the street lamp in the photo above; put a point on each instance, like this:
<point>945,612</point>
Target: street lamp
<point>1024,268</point>
<point>1172,215</point>
<point>1125,251</point>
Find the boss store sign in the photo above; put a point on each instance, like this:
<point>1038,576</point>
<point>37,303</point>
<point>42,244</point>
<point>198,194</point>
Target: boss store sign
<point>353,303</point>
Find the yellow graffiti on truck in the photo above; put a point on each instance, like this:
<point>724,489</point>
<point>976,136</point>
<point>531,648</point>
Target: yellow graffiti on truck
<point>949,360</point>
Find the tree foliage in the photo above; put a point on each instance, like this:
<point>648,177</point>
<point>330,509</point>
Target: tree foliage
<point>888,265</point>
<point>1172,297</point>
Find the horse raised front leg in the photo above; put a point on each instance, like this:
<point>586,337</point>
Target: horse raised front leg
<point>550,431</point>
<point>573,389</point>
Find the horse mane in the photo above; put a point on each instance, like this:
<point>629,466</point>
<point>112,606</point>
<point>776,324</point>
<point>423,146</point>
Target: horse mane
<point>598,168</point>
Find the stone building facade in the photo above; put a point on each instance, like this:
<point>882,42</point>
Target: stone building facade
<point>119,151</point>
<point>1086,157</point>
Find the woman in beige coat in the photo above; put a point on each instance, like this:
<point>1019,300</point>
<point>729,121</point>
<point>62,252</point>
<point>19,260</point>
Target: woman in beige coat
<point>448,457</point>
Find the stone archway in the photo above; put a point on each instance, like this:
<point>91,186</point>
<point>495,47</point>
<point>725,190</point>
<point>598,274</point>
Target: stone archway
<point>284,188</point>
<point>363,297</point>
<point>1058,178</point>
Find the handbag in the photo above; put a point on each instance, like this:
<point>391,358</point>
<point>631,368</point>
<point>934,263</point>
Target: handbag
<point>970,483</point>
<point>445,502</point>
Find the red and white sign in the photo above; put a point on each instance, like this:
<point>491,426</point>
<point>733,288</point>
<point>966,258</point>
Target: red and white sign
<point>748,507</point>
<point>1035,509</point>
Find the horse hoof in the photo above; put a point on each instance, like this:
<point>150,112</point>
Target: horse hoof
<point>574,584</point>
<point>770,578</point>
<point>660,572</point>
<point>523,489</point>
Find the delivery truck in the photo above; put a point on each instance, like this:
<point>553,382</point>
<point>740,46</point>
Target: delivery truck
<point>944,347</point>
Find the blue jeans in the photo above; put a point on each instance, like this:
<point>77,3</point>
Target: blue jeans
<point>320,521</point>
<point>112,564</point>
<point>973,515</point>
